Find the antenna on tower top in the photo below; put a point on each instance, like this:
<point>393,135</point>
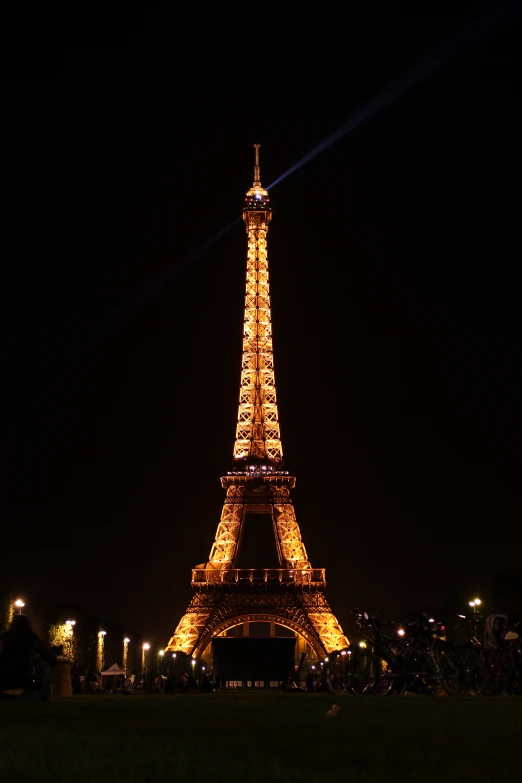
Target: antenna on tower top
<point>257,174</point>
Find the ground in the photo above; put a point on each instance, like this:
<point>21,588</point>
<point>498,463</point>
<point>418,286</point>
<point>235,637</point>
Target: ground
<point>254,736</point>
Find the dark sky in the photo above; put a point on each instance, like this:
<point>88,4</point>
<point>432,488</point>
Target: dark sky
<point>394,260</point>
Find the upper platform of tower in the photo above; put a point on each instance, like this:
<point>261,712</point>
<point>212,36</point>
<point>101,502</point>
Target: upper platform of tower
<point>256,198</point>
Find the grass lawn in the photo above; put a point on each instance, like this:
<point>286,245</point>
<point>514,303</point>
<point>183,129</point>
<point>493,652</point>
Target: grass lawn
<point>254,736</point>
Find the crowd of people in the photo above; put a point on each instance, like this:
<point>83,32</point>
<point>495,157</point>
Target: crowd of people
<point>27,664</point>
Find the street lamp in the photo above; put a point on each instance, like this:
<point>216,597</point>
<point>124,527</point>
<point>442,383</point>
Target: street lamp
<point>476,602</point>
<point>162,653</point>
<point>101,646</point>
<point>20,605</point>
<point>145,649</point>
<point>125,652</point>
<point>69,639</point>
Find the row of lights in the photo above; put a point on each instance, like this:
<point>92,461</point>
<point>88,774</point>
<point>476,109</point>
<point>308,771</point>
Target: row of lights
<point>146,646</point>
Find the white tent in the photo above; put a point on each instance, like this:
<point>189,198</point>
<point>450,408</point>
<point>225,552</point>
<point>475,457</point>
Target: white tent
<point>114,671</point>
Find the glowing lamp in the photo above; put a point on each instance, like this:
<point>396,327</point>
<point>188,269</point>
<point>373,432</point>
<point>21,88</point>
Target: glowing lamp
<point>362,644</point>
<point>70,622</point>
<point>343,652</point>
<point>162,652</point>
<point>326,660</point>
<point>173,655</point>
<point>401,632</point>
<point>477,601</point>
<point>126,640</point>
<point>193,662</point>
<point>19,603</point>
<point>146,646</point>
<point>203,668</point>
<point>472,603</point>
<point>102,633</point>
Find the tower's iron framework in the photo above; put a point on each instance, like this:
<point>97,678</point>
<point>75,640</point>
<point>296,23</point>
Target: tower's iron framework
<point>292,595</point>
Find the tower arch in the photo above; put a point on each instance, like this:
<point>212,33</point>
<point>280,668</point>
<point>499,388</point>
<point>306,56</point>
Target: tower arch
<point>314,645</point>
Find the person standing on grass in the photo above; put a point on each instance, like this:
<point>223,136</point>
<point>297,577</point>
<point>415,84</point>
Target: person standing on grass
<point>21,651</point>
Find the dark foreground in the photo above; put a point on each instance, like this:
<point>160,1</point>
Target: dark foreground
<point>270,736</point>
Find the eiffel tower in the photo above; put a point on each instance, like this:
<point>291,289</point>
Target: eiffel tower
<point>293,595</point>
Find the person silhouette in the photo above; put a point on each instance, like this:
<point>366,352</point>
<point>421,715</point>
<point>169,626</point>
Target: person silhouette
<point>22,653</point>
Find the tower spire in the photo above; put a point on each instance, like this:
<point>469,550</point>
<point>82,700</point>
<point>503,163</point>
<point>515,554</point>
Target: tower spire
<point>257,433</point>
<point>257,174</point>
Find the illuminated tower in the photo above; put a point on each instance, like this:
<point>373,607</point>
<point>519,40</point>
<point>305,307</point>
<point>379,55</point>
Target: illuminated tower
<point>292,595</point>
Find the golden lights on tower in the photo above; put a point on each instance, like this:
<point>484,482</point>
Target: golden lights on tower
<point>258,462</point>
<point>257,430</point>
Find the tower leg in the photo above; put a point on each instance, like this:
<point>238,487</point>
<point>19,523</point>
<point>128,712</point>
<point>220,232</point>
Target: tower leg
<point>228,534</point>
<point>192,625</point>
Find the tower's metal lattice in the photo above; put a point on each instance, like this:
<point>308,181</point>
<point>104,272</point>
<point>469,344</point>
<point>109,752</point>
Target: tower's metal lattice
<point>293,594</point>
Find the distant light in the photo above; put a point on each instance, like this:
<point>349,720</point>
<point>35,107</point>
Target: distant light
<point>401,632</point>
<point>463,616</point>
<point>126,640</point>
<point>477,601</point>
<point>313,667</point>
<point>349,652</point>
<point>203,668</point>
<point>162,652</point>
<point>19,603</point>
<point>326,660</point>
<point>173,655</point>
<point>431,620</point>
<point>362,644</point>
<point>146,646</point>
<point>70,622</point>
<point>472,603</point>
<point>102,633</point>
<point>193,662</point>
<point>343,652</point>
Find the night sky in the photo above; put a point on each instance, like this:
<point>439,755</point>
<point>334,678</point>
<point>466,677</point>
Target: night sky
<point>394,261</point>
